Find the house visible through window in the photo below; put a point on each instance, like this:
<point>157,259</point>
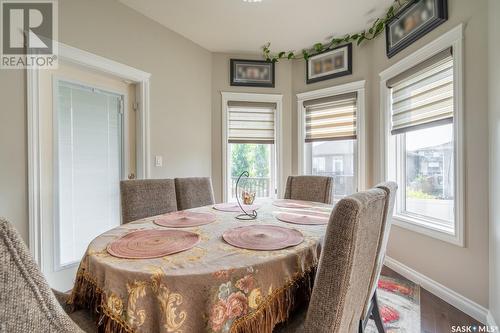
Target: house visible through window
<point>251,147</point>
<point>422,135</point>
<point>429,173</point>
<point>331,140</point>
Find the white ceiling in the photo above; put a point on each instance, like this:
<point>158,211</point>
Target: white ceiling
<point>238,26</point>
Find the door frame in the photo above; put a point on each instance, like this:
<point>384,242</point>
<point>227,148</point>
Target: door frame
<point>100,64</point>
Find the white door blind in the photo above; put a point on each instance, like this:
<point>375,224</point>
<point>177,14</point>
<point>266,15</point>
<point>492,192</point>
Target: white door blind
<point>331,118</point>
<point>423,95</point>
<point>88,159</point>
<point>250,122</point>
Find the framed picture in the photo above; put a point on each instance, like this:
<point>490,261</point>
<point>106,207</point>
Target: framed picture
<point>329,64</point>
<point>413,21</point>
<point>252,73</point>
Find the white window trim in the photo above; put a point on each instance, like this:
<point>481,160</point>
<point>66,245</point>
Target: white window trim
<point>249,97</point>
<point>359,88</point>
<point>454,39</point>
<point>93,62</point>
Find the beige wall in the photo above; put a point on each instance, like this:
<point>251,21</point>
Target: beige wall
<point>220,83</point>
<point>180,94</point>
<point>464,270</point>
<point>494,121</point>
<point>13,165</point>
<point>185,97</point>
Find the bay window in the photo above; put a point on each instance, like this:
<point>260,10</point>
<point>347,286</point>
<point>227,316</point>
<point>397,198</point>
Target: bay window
<point>250,144</point>
<point>423,134</point>
<point>329,132</point>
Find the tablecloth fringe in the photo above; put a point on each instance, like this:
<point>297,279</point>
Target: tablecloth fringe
<point>86,294</point>
<point>277,307</point>
<point>274,309</point>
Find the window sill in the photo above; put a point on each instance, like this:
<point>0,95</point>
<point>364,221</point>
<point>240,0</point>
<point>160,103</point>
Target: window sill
<point>426,228</point>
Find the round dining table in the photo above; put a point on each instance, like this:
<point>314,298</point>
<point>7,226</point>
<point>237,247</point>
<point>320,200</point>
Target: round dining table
<point>212,287</point>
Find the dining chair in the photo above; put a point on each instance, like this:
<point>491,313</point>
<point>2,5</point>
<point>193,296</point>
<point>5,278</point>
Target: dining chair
<point>194,192</point>
<point>345,270</point>
<point>27,304</point>
<point>146,197</point>
<point>371,310</point>
<point>310,188</point>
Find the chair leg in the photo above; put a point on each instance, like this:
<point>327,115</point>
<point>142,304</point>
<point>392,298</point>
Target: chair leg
<point>376,314</point>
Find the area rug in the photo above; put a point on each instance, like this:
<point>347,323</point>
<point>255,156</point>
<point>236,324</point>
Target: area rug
<point>399,302</point>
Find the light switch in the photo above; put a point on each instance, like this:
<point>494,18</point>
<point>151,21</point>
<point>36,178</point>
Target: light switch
<point>158,161</point>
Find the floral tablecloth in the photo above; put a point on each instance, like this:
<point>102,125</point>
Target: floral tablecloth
<point>213,287</point>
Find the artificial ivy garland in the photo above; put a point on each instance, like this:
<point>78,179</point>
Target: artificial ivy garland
<point>369,34</point>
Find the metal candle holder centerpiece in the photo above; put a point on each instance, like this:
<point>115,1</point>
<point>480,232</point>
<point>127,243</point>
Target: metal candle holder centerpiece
<point>245,215</point>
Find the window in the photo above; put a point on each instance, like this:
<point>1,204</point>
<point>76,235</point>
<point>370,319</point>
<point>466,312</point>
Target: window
<point>89,166</point>
<point>329,140</point>
<point>429,190</point>
<point>251,146</point>
<point>422,139</point>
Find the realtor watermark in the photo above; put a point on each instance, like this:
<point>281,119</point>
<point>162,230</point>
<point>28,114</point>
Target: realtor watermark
<point>475,329</point>
<point>28,34</point>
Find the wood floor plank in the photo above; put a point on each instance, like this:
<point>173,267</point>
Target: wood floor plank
<point>436,316</point>
<point>427,318</point>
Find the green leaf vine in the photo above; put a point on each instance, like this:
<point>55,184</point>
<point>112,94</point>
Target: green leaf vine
<point>365,35</point>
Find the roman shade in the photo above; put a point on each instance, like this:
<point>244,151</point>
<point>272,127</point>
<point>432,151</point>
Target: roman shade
<point>331,118</point>
<point>422,96</point>
<point>251,122</point>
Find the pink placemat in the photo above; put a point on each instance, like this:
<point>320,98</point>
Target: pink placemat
<point>233,207</point>
<point>146,244</point>
<point>304,217</point>
<point>184,219</point>
<point>287,203</point>
<point>263,237</point>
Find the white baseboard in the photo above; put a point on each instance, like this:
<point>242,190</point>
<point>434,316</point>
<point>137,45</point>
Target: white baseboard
<point>462,303</point>
<point>491,320</point>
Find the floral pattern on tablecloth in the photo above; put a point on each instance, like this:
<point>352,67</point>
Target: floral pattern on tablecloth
<point>233,299</point>
<point>205,289</point>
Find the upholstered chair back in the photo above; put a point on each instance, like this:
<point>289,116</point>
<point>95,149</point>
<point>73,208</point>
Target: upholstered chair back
<point>193,192</point>
<point>390,188</point>
<point>310,188</point>
<point>347,260</point>
<point>27,303</point>
<point>147,197</point>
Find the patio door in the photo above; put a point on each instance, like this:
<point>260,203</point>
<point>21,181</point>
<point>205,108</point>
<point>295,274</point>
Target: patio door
<point>84,162</point>
<point>88,167</point>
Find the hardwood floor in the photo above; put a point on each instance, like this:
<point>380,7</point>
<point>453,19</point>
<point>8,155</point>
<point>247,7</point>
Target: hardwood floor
<point>436,316</point>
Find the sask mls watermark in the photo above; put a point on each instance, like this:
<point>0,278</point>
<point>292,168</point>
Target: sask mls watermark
<point>29,32</point>
<point>474,329</point>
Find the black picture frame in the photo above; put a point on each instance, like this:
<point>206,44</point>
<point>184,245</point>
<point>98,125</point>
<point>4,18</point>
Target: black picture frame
<point>248,82</point>
<point>440,16</point>
<point>348,66</point>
